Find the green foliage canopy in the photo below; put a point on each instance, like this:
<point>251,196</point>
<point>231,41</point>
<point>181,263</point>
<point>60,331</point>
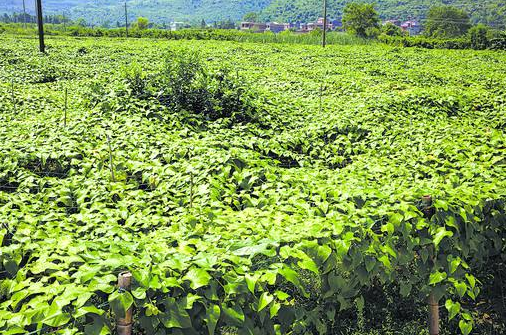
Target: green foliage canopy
<point>447,22</point>
<point>251,17</point>
<point>479,36</point>
<point>280,225</point>
<point>391,29</point>
<point>361,19</point>
<point>142,23</point>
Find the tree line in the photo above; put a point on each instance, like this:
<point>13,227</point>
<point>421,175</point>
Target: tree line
<point>442,23</point>
<point>28,18</point>
<point>444,27</point>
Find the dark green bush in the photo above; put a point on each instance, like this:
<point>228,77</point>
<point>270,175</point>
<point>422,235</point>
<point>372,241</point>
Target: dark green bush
<point>186,84</point>
<point>426,42</point>
<point>479,37</point>
<point>498,42</point>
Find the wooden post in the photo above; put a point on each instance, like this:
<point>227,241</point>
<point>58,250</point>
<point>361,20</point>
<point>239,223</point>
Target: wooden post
<point>324,41</point>
<point>433,315</point>
<point>429,211</point>
<point>110,159</point>
<point>124,325</point>
<point>65,110</point>
<point>40,23</point>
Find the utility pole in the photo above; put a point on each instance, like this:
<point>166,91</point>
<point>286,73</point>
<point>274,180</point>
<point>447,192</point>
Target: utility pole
<point>24,14</point>
<point>126,19</point>
<point>324,41</point>
<point>41,26</point>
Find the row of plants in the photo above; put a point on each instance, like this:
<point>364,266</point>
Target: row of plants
<point>257,189</point>
<point>497,42</point>
<point>188,34</point>
<point>479,38</point>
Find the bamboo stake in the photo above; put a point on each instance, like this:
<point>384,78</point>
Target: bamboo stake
<point>65,110</point>
<point>110,158</point>
<point>124,325</point>
<point>433,315</point>
<point>12,95</point>
<point>429,211</point>
<point>321,98</point>
<point>191,189</point>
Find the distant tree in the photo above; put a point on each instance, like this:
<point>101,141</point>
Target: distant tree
<point>391,29</point>
<point>250,17</point>
<point>479,37</point>
<point>361,19</point>
<point>228,24</point>
<point>142,23</point>
<point>6,18</point>
<point>81,22</point>
<point>203,24</point>
<point>447,22</point>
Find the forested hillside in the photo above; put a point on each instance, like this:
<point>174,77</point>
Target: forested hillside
<point>160,11</point>
<point>492,12</point>
<point>486,11</point>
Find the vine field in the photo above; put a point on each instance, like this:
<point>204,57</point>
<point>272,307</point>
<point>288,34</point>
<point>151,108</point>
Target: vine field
<point>249,188</point>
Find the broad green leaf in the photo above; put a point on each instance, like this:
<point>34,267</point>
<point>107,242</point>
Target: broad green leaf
<point>235,314</point>
<point>465,327</point>
<point>120,302</point>
<point>453,308</point>
<point>274,309</point>
<point>308,264</point>
<point>471,280</point>
<point>139,293</point>
<point>198,278</point>
<point>264,301</point>
<point>437,277</point>
<point>440,234</point>
<point>213,313</point>
<point>251,281</point>
<point>55,317</point>
<point>460,288</point>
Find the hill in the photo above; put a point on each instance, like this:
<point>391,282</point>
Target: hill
<point>492,12</point>
<point>486,11</point>
<point>160,11</point>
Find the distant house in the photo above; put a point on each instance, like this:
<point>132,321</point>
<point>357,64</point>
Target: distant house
<point>412,27</point>
<point>337,23</point>
<point>395,22</point>
<point>277,27</point>
<point>318,24</point>
<point>254,26</point>
<point>174,26</point>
